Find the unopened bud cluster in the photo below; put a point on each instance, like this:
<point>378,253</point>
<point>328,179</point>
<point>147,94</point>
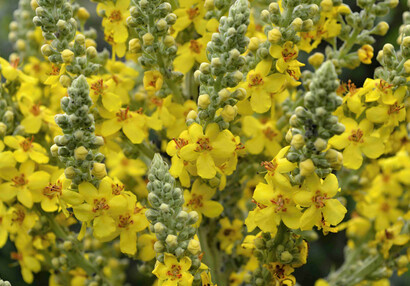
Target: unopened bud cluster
<point>22,33</point>
<point>225,68</point>
<point>58,25</point>
<point>313,124</point>
<point>77,148</point>
<point>151,21</point>
<point>171,225</point>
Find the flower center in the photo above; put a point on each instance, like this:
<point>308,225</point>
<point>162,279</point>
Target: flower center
<point>123,115</point>
<point>192,12</point>
<point>14,63</point>
<point>203,145</point>
<point>98,87</point>
<point>125,221</point>
<point>270,166</point>
<point>117,189</point>
<point>175,272</point>
<point>195,46</point>
<point>196,201</point>
<point>18,216</point>
<point>16,256</point>
<point>385,207</point>
<point>157,101</point>
<point>179,143</point>
<point>356,136</point>
<point>19,181</point>
<point>384,86</point>
<point>288,52</point>
<point>100,205</point>
<point>115,16</point>
<point>52,190</point>
<point>394,108</point>
<point>26,144</point>
<point>280,203</point>
<point>55,70</point>
<point>35,109</point>
<point>255,79</point>
<point>320,199</point>
<point>269,133</point>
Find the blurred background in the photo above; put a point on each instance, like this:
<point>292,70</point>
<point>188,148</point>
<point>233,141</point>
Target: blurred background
<point>324,254</point>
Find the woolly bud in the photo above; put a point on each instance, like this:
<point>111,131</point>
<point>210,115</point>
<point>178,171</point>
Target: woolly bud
<point>306,167</point>
<point>80,153</point>
<point>148,39</point>
<point>298,141</point>
<point>99,171</point>
<point>204,100</point>
<point>274,36</point>
<point>194,246</point>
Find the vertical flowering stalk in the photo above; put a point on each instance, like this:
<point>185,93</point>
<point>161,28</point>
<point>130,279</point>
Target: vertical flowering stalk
<point>225,69</point>
<point>151,21</point>
<point>77,148</point>
<point>178,252</point>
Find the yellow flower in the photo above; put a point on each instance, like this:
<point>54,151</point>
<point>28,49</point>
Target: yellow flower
<point>115,18</point>
<point>281,273</point>
<point>133,124</point>
<point>129,223</point>
<point>199,200</point>
<point>277,167</point>
<point>357,139</point>
<point>19,220</point>
<point>22,183</point>
<point>261,87</point>
<point>11,72</point>
<point>351,97</point>
<point>229,234</point>
<point>190,11</point>
<point>208,150</point>
<point>319,203</point>
<point>104,92</point>
<point>121,167</point>
<point>54,74</point>
<point>285,55</point>
<point>365,54</point>
<point>178,165</point>
<point>173,272</point>
<point>28,259</point>
<point>34,115</point>
<point>152,81</point>
<point>391,236</point>
<point>146,243</point>
<point>389,115</point>
<point>191,52</point>
<point>273,206</point>
<point>100,206</point>
<point>263,136</point>
<point>374,89</point>
<point>26,149</point>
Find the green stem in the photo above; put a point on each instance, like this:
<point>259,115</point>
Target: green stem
<point>349,44</point>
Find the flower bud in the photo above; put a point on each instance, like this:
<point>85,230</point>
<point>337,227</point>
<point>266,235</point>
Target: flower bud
<point>316,60</point>
<point>162,25</point>
<point>286,257</point>
<point>158,246</point>
<point>298,141</point>
<point>224,94</point>
<point>65,80</point>
<point>388,49</point>
<point>83,14</point>
<point>3,129</point>
<point>289,136</point>
<point>205,68</point>
<point>306,167</point>
<point>69,173</point>
<point>204,100</point>
<point>169,41</point>
<point>254,43</point>
<point>407,67</point>
<point>91,52</point>
<point>134,45</point>
<point>46,50</point>
<point>193,217</point>
<point>148,39</point>
<point>274,36</point>
<point>297,24</point>
<point>320,144</point>
<point>194,246</point>
<point>80,153</point>
<point>34,4</point>
<point>228,113</point>
<point>67,56</point>
<point>171,240</point>
<point>99,171</point>
<point>381,29</point>
<point>216,62</point>
<point>192,115</point>
<point>365,54</point>
<point>326,5</point>
<point>405,42</point>
<point>159,227</point>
